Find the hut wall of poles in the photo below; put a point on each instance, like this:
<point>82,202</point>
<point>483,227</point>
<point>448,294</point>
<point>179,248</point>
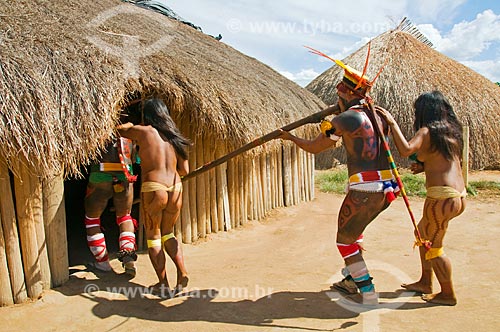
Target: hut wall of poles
<point>33,243</point>
<point>33,240</point>
<point>245,188</point>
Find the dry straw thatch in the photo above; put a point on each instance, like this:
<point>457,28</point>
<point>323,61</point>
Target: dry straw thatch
<point>413,68</point>
<point>67,67</point>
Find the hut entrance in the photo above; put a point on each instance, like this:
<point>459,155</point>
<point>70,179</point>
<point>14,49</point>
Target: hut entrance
<point>78,251</point>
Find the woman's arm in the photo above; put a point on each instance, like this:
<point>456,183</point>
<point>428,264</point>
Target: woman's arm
<point>404,147</point>
<point>129,130</point>
<point>182,166</point>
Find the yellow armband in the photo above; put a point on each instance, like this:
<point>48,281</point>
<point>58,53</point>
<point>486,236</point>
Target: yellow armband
<point>325,126</point>
<point>328,130</point>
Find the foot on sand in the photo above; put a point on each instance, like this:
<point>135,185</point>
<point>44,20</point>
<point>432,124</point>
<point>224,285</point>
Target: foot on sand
<point>418,287</point>
<point>181,284</point>
<point>162,290</point>
<point>439,298</point>
<point>364,300</point>
<point>346,286</point>
<point>130,268</point>
<point>102,266</point>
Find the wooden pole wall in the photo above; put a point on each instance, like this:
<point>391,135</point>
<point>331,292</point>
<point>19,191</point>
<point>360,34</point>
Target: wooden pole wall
<point>11,237</point>
<point>300,174</point>
<point>222,192</point>
<point>201,208</point>
<point>236,184</point>
<point>287,175</point>
<point>192,193</point>
<point>206,157</point>
<point>279,169</point>
<point>231,191</point>
<point>259,185</point>
<point>243,175</point>
<point>263,183</point>
<point>5,287</point>
<point>309,176</point>
<point>245,188</point>
<point>186,216</point>
<point>54,217</point>
<point>27,234</point>
<point>37,210</point>
<point>212,184</point>
<point>295,175</point>
<point>274,159</point>
<point>254,193</point>
<point>267,169</point>
<point>185,222</point>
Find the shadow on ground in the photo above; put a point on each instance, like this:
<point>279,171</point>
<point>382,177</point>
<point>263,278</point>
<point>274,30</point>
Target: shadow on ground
<point>115,294</point>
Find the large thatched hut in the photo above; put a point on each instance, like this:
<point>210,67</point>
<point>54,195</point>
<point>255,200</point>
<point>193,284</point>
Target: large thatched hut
<point>68,67</point>
<point>414,67</point>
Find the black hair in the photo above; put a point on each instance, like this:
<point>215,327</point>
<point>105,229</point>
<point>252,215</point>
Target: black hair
<point>157,115</point>
<point>433,111</point>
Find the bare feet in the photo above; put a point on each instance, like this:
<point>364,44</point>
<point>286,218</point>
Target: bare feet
<point>162,290</point>
<point>182,282</point>
<point>440,298</point>
<point>418,287</point>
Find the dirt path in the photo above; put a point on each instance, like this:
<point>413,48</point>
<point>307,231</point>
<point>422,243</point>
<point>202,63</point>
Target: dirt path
<point>275,276</point>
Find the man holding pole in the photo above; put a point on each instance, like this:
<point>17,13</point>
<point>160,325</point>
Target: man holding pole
<point>371,182</point>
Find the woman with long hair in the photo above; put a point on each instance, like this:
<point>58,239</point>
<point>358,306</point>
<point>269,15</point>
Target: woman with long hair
<point>438,144</point>
<point>162,150</point>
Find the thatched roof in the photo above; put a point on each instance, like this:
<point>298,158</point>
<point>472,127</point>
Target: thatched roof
<point>68,66</point>
<point>413,68</point>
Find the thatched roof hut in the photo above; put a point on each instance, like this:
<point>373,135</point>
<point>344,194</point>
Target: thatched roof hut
<point>68,67</point>
<point>413,67</point>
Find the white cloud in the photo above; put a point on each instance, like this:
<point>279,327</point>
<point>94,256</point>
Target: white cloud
<point>466,39</point>
<point>303,77</point>
<point>489,69</point>
<point>275,32</point>
<point>432,10</point>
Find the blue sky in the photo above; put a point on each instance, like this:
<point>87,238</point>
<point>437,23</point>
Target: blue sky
<point>274,33</point>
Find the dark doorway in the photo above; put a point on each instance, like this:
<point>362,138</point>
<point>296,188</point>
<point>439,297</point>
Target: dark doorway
<point>74,192</point>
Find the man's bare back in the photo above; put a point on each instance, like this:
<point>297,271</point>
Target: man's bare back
<point>360,141</point>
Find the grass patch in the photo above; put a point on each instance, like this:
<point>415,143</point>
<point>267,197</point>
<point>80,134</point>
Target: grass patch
<point>484,188</point>
<point>335,180</point>
<point>414,184</point>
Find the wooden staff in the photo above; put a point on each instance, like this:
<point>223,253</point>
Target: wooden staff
<point>419,241</point>
<point>313,118</point>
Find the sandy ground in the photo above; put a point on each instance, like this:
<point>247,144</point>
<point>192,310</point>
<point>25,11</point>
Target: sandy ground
<point>275,276</point>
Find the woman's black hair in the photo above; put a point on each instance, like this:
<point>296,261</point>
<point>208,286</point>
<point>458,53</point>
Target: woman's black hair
<point>433,111</point>
<point>157,115</point>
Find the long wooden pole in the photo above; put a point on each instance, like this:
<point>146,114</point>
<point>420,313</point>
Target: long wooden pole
<point>313,118</point>
<point>5,286</point>
<point>11,237</point>
<point>54,218</point>
<point>419,241</point>
<point>27,233</point>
